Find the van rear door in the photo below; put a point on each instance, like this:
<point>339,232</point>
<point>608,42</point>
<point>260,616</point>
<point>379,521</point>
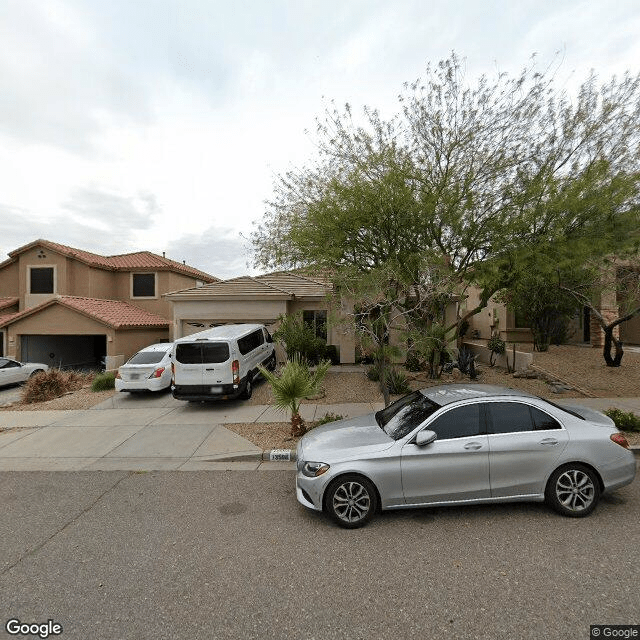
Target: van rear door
<point>202,363</point>
<point>216,365</point>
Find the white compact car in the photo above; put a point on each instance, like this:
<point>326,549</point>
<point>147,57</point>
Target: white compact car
<point>148,370</point>
<point>14,372</point>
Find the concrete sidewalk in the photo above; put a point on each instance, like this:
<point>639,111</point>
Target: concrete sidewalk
<point>160,433</point>
<point>129,432</point>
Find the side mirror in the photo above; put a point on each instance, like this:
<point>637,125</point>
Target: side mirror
<point>426,437</point>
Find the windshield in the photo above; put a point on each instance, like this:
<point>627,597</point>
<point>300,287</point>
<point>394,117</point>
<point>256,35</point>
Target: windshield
<point>404,415</point>
<point>147,357</point>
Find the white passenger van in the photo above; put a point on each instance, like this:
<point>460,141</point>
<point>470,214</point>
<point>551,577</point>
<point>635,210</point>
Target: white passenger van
<point>221,362</point>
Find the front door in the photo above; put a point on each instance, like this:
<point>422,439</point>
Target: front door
<point>455,466</point>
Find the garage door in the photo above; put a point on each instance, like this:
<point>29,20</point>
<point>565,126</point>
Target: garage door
<point>66,352</point>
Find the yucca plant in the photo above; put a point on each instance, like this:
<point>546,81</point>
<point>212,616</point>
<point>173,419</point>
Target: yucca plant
<point>295,382</point>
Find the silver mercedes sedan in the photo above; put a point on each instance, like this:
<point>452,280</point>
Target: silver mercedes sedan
<point>462,444</point>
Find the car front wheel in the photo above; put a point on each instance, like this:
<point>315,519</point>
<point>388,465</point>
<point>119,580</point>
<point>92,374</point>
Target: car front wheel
<point>351,501</point>
<point>573,490</point>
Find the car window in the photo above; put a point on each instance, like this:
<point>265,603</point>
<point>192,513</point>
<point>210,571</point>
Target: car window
<point>215,352</point>
<point>250,342</point>
<point>147,357</point>
<point>543,421</point>
<point>207,353</point>
<point>461,422</point>
<point>404,415</point>
<point>3,363</point>
<point>508,417</point>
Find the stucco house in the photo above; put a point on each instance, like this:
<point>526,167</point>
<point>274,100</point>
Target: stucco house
<point>261,299</point>
<point>73,308</point>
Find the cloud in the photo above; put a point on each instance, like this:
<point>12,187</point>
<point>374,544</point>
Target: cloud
<point>60,85</point>
<point>117,214</point>
<point>221,252</point>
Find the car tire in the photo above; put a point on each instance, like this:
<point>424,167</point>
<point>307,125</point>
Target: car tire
<point>573,490</point>
<point>351,501</point>
<point>36,372</point>
<point>271,362</point>
<point>247,392</point>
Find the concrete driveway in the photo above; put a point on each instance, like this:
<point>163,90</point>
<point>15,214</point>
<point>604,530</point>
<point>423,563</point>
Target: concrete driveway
<point>10,394</point>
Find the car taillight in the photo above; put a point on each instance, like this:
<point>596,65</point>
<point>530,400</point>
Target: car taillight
<point>235,370</point>
<point>618,438</point>
<point>173,372</point>
<point>118,376</point>
<point>157,373</point>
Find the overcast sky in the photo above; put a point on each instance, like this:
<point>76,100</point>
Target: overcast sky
<point>159,125</point>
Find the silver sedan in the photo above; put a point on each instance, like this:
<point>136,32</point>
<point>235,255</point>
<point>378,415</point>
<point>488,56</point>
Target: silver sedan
<point>462,444</point>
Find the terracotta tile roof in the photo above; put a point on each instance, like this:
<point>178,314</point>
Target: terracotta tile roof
<point>123,262</point>
<point>114,313</point>
<point>242,287</point>
<point>5,303</point>
<point>281,285</point>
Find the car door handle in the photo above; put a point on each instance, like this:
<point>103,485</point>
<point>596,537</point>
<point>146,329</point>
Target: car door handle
<point>551,442</point>
<point>472,446</point>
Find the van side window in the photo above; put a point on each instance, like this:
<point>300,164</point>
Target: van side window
<point>250,342</point>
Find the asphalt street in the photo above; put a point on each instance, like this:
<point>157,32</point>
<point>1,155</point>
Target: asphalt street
<point>232,555</point>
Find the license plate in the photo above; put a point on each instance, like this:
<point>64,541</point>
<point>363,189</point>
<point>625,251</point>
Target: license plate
<point>216,389</point>
<point>134,376</point>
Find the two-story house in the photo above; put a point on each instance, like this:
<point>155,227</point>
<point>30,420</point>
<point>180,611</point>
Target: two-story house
<point>68,307</point>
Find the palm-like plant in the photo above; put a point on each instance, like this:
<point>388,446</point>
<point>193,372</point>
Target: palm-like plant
<point>294,383</point>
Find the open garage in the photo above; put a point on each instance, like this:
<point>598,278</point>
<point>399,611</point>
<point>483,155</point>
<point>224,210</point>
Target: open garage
<point>65,352</point>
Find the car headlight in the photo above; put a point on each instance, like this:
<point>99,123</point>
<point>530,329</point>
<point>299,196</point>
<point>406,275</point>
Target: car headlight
<point>314,469</point>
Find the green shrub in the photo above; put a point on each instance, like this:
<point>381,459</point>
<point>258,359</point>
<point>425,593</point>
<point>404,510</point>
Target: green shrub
<point>331,353</point>
<point>299,338</point>
<point>497,347</point>
<point>104,381</point>
<point>397,382</point>
<point>373,372</point>
<point>328,417</point>
<point>414,362</point>
<point>51,384</point>
<point>625,420</point>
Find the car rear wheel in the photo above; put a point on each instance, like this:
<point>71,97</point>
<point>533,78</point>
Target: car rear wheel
<point>36,372</point>
<point>351,501</point>
<point>573,490</point>
<point>248,389</point>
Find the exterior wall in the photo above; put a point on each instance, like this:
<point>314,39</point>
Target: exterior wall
<point>340,336</point>
<point>127,343</point>
<point>9,280</point>
<point>166,282</point>
<point>493,318</point>
<point>40,257</point>
<point>260,311</point>
<point>88,282</point>
<point>54,320</point>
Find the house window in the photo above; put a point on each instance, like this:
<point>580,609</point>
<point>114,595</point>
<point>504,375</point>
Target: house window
<point>318,321</point>
<point>144,285</point>
<point>41,280</point>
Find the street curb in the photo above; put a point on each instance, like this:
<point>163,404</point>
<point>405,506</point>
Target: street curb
<point>269,455</point>
<point>279,455</point>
